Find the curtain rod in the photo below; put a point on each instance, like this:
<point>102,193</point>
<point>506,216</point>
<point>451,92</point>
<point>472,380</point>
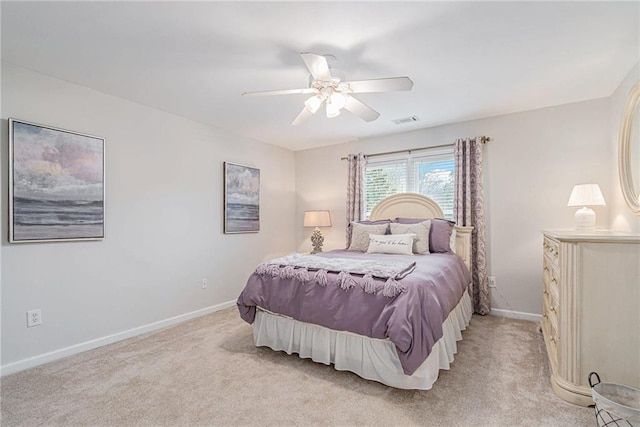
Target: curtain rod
<point>410,150</point>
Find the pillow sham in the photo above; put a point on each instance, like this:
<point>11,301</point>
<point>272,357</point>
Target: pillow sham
<point>439,233</point>
<point>398,244</point>
<point>360,235</point>
<point>421,230</point>
<point>366,222</point>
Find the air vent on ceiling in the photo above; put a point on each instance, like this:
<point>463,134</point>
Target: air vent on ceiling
<point>409,119</point>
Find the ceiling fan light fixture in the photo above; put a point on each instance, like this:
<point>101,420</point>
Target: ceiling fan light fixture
<point>332,109</point>
<point>313,104</point>
<point>328,85</point>
<point>335,103</point>
<point>338,100</point>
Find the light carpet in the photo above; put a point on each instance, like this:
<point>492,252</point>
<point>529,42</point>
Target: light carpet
<point>207,372</point>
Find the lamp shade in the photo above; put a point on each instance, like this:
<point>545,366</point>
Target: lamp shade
<point>586,195</point>
<point>332,110</point>
<point>317,219</point>
<point>313,103</point>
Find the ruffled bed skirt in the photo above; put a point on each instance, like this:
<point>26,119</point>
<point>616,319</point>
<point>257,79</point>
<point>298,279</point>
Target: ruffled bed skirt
<point>372,359</point>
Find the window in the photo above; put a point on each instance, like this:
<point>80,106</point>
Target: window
<point>431,173</point>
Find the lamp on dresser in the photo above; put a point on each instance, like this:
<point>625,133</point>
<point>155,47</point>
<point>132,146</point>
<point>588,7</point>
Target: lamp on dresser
<point>583,196</point>
<point>317,219</point>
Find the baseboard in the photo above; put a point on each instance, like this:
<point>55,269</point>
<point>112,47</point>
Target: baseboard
<point>41,359</point>
<point>516,315</point>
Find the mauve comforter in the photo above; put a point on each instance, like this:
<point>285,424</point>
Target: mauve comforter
<point>412,320</point>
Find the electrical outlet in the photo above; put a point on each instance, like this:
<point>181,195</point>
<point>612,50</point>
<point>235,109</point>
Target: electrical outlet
<point>34,318</point>
<point>203,284</point>
<point>492,282</point>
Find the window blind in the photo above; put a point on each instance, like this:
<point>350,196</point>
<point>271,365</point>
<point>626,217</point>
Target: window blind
<point>383,179</point>
<point>436,180</point>
<point>431,174</point>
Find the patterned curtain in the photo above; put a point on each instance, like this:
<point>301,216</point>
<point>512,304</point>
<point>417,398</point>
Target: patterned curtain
<point>469,211</point>
<point>355,190</point>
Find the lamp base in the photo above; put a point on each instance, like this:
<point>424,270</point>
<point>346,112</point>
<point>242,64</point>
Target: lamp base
<point>317,240</point>
<point>585,219</point>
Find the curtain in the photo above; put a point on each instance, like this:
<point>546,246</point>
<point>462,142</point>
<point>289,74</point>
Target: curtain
<point>355,190</point>
<point>469,211</point>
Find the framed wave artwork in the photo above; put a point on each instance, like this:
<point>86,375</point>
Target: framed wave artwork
<point>56,184</point>
<point>241,199</point>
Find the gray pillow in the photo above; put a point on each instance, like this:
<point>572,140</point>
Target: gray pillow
<point>439,234</point>
<point>421,230</point>
<point>367,222</point>
<point>360,235</point>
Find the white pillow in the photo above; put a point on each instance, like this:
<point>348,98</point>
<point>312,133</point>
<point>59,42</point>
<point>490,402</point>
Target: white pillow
<point>452,240</point>
<point>360,235</point>
<point>400,244</point>
<point>421,230</point>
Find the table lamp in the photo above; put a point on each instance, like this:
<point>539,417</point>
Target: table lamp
<point>317,219</point>
<point>586,195</point>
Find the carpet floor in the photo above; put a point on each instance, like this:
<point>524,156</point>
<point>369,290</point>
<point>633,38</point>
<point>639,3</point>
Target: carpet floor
<point>207,372</point>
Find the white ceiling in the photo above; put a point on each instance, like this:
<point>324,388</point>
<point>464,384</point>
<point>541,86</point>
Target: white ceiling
<point>467,59</point>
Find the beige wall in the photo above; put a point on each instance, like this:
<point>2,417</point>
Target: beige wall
<point>531,165</point>
<point>164,185</point>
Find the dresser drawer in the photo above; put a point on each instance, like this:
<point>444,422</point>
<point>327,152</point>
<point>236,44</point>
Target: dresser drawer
<point>546,272</point>
<point>550,276</point>
<point>550,332</point>
<point>550,301</point>
<point>550,311</point>
<point>554,291</point>
<point>552,349</point>
<point>551,250</point>
<point>546,325</point>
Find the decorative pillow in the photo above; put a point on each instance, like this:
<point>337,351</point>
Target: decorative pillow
<point>367,222</point>
<point>376,222</point>
<point>360,235</point>
<point>399,244</point>
<point>421,230</point>
<point>439,233</point>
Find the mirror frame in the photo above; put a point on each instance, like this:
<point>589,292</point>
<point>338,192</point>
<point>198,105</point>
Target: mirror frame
<point>624,150</point>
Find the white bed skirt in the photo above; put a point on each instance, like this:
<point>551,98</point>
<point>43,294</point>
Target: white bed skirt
<point>370,358</point>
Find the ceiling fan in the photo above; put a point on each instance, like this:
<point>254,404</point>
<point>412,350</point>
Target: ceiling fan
<point>328,87</point>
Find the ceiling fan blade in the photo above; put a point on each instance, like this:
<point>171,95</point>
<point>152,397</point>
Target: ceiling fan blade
<point>380,85</point>
<point>304,115</point>
<point>317,65</point>
<point>361,110</point>
<point>281,92</point>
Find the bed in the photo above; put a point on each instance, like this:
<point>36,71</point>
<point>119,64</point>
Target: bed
<point>395,319</point>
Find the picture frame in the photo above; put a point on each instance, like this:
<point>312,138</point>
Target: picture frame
<point>56,184</point>
<point>241,199</point>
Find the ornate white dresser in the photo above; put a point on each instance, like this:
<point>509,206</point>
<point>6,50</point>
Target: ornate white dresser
<point>591,309</point>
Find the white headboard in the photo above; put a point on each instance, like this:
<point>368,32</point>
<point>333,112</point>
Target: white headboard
<point>413,205</point>
<point>406,205</point>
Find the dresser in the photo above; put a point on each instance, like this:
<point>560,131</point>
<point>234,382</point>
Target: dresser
<point>591,309</point>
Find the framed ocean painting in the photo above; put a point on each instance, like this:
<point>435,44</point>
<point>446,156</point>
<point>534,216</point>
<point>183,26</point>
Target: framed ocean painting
<point>56,184</point>
<point>241,199</point>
